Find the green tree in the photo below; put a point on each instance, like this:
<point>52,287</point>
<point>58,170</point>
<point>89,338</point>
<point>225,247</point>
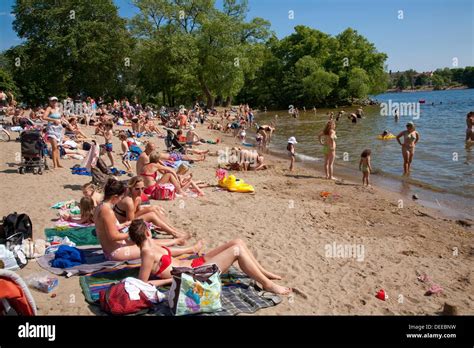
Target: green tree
<point>438,82</point>
<point>402,82</point>
<point>71,46</point>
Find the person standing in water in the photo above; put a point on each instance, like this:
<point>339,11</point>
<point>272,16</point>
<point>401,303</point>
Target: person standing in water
<point>410,138</point>
<point>470,126</point>
<point>329,148</point>
<point>365,167</point>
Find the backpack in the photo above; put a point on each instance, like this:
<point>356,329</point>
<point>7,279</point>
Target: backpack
<point>15,228</point>
<point>116,301</point>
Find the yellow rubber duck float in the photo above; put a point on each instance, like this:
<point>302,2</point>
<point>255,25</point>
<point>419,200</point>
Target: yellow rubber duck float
<point>231,183</point>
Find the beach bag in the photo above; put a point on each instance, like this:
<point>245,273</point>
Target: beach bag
<point>195,290</point>
<point>164,192</point>
<point>15,228</point>
<point>116,301</point>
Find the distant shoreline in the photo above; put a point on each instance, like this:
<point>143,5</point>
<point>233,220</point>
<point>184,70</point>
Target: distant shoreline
<point>424,89</point>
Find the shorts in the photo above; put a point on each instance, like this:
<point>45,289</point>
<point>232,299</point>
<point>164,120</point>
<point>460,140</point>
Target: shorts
<point>198,262</point>
<point>108,147</point>
<point>126,156</point>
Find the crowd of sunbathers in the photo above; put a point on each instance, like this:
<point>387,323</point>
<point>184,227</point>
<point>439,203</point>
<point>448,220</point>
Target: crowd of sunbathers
<point>118,208</point>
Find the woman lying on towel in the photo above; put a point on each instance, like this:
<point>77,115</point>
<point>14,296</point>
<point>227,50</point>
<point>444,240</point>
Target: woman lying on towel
<point>177,156</point>
<point>130,208</point>
<point>158,260</point>
<point>116,245</point>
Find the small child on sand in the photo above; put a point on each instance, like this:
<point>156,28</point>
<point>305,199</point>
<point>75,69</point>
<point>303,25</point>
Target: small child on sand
<point>291,151</point>
<point>90,190</point>
<point>87,212</point>
<point>242,135</point>
<point>107,133</point>
<point>126,152</point>
<point>365,167</point>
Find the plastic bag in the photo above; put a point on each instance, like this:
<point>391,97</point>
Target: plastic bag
<point>43,282</point>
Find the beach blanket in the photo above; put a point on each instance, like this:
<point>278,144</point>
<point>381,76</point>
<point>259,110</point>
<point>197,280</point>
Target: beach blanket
<point>80,235</point>
<point>239,294</point>
<point>80,171</point>
<point>94,260</point>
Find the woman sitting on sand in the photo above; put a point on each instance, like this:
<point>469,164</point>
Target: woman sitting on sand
<point>115,244</point>
<point>130,208</point>
<point>150,172</point>
<point>329,148</point>
<point>157,261</point>
<point>411,137</point>
<point>73,128</point>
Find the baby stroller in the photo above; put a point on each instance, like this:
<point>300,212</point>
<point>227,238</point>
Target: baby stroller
<point>33,150</point>
<point>172,143</point>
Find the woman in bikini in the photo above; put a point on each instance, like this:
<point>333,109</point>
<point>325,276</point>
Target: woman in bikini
<point>130,208</point>
<point>410,138</point>
<point>116,245</point>
<point>157,261</point>
<point>329,148</point>
<point>150,172</point>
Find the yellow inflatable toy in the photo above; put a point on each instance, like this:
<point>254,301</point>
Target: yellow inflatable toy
<point>232,184</point>
<point>386,137</point>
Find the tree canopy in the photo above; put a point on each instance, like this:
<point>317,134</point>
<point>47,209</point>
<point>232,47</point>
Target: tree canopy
<point>177,51</point>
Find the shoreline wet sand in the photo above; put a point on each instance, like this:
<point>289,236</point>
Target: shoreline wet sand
<point>291,228</point>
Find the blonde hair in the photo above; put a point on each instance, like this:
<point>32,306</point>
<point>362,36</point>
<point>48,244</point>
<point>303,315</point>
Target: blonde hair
<point>327,128</point>
<point>89,186</point>
<point>182,169</point>
<point>154,157</point>
<point>135,180</point>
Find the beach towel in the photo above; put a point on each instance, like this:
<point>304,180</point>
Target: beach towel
<point>239,294</point>
<point>94,260</point>
<point>80,171</point>
<point>80,236</point>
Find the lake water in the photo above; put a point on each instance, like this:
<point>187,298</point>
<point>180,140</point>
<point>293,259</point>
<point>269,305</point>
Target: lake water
<point>442,161</point>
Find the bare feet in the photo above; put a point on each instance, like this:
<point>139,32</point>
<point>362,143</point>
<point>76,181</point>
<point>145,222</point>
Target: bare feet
<point>198,246</point>
<point>278,289</point>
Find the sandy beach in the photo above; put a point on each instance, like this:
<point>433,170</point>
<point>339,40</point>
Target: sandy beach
<point>292,230</point>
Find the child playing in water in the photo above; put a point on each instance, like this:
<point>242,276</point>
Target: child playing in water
<point>365,167</point>
<point>126,152</point>
<point>291,151</point>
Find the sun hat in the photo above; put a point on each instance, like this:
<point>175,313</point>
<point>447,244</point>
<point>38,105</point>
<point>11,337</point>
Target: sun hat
<point>410,124</point>
<point>292,140</point>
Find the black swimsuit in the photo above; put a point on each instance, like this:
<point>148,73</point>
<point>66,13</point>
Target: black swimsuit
<point>119,211</point>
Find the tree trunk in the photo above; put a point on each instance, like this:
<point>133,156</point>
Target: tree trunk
<point>228,101</point>
<point>207,92</point>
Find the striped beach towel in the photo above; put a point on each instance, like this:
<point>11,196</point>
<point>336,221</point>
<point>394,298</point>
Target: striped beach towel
<point>239,292</point>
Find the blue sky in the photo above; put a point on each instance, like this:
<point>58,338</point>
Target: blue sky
<point>431,34</point>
